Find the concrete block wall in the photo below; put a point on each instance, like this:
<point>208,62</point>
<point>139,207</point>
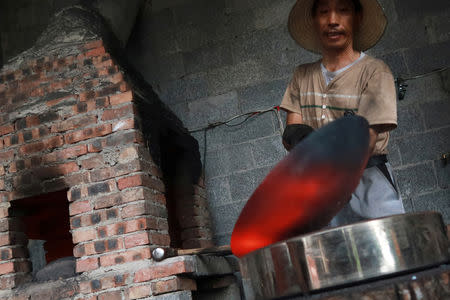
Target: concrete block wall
<point>211,60</point>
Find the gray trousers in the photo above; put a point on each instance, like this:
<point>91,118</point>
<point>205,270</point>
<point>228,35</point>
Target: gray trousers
<point>374,197</point>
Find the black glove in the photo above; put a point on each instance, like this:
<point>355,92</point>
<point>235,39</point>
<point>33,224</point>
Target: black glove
<point>294,133</point>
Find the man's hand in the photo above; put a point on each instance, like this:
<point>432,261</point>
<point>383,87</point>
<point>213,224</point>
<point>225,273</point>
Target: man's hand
<point>294,131</point>
<point>294,134</point>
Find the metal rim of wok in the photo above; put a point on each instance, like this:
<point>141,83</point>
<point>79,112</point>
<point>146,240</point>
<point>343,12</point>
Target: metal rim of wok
<point>346,255</point>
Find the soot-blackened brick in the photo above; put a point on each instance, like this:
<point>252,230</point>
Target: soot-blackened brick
<point>43,131</point>
<point>111,70</point>
<point>95,218</point>
<point>21,124</point>
<point>99,246</point>
<point>111,214</point>
<point>101,102</point>
<point>109,90</point>
<point>95,284</point>
<point>87,62</point>
<point>72,66</point>
<point>48,117</point>
<point>121,229</point>
<point>119,260</point>
<point>82,107</point>
<point>14,139</point>
<point>75,194</point>
<point>118,279</point>
<point>26,72</point>
<point>102,233</point>
<point>76,222</point>
<point>5,254</point>
<point>98,188</point>
<point>20,165</point>
<point>27,136</point>
<point>112,244</point>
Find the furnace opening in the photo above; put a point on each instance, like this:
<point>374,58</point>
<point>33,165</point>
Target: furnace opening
<point>45,222</point>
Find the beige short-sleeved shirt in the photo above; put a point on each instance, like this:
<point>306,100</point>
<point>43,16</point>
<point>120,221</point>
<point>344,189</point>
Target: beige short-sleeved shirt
<point>367,88</point>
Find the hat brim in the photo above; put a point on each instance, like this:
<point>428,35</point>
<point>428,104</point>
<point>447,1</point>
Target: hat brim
<point>371,28</point>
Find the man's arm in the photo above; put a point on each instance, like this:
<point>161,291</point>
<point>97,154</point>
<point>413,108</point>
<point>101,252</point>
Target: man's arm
<point>373,134</point>
<point>293,118</point>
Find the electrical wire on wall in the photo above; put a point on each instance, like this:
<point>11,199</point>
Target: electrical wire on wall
<point>246,116</point>
<point>401,82</point>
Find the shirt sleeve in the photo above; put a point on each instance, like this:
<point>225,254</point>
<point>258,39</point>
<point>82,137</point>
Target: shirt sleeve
<point>378,102</point>
<point>291,98</point>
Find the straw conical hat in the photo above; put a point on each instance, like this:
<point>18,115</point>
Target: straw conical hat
<point>370,30</point>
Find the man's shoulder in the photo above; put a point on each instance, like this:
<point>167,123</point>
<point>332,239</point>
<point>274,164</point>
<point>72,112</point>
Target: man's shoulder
<point>306,68</point>
<point>373,64</point>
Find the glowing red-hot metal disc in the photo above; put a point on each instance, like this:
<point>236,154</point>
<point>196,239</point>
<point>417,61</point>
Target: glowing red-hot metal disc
<point>307,188</point>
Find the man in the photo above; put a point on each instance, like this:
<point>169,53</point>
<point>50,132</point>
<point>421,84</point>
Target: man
<point>345,80</point>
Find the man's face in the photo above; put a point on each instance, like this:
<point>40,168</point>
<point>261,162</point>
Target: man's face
<point>335,22</point>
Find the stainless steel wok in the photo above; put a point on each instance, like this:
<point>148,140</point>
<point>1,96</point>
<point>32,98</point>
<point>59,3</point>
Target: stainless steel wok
<point>346,255</point>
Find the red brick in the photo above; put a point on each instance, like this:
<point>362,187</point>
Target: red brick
<point>108,201</point>
<point>47,144</point>
<point>87,133</point>
<point>79,207</point>
<point>32,121</point>
<point>103,64</point>
<point>58,85</point>
<point>118,113</point>
<point>6,155</point>
<point>140,224</point>
<point>11,253</point>
<point>137,239</point>
<point>159,239</point>
<point>71,152</point>
<point>95,147</point>
<point>11,281</point>
<point>124,125</point>
<point>83,235</point>
<point>173,285</point>
<point>133,181</point>
<point>4,212</point>
<point>93,44</point>
<point>115,295</point>
<point>6,129</point>
<point>88,264</point>
<point>140,291</point>
<point>14,267</point>
<point>2,170</point>
<point>93,162</point>
<point>125,256</point>
<point>85,96</point>
<point>121,98</point>
<point>74,123</point>
<point>95,52</point>
<point>101,174</point>
<point>114,79</point>
<point>128,168</point>
<point>8,140</point>
<point>59,100</point>
<point>163,269</point>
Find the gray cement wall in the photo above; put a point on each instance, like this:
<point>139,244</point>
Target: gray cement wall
<point>211,60</point>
